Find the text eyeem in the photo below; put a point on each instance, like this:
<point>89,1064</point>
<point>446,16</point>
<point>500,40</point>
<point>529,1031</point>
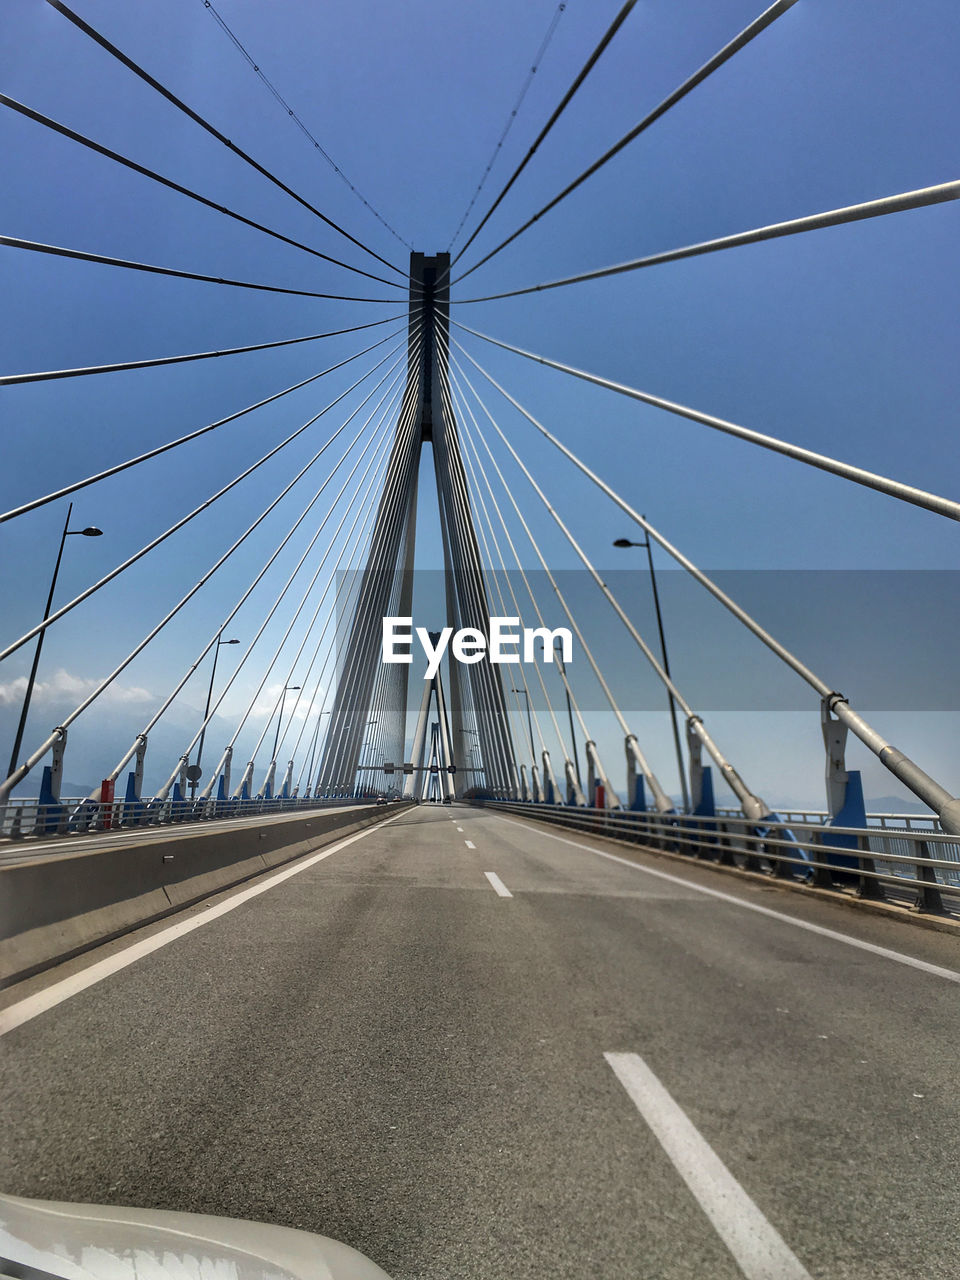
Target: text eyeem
<point>507,642</point>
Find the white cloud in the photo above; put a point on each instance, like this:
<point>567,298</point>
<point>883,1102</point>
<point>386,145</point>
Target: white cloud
<point>61,687</point>
<point>266,704</point>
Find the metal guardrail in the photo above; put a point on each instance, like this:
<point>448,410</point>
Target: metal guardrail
<point>919,868</point>
<point>25,817</point>
<point>820,817</point>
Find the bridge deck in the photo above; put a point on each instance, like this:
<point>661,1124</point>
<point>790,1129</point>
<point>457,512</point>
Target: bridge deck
<point>387,1049</point>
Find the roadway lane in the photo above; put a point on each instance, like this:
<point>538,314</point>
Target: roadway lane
<point>388,1049</point>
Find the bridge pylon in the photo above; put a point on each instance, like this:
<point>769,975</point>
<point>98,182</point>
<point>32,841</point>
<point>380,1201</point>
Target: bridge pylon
<point>369,692</point>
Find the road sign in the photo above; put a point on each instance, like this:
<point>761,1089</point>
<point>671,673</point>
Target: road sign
<point>194,773</point>
<point>389,768</point>
<point>408,768</point>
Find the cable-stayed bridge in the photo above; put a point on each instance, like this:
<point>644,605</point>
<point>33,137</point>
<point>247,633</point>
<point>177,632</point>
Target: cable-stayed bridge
<point>301,621</point>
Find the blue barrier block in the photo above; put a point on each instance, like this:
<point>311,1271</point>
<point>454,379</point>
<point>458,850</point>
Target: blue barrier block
<point>133,806</point>
<point>178,805</point>
<point>50,811</point>
<point>638,801</point>
<point>706,808</point>
<point>853,814</point>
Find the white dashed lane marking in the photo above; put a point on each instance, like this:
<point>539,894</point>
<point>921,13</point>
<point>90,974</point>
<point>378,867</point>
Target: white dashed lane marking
<point>498,885</point>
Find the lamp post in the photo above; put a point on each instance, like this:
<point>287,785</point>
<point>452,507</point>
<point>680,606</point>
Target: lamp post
<point>206,710</point>
<point>366,746</point>
<point>287,688</point>
<point>625,542</point>
<point>533,750</point>
<point>89,532</point>
<point>474,751</point>
<point>366,750</point>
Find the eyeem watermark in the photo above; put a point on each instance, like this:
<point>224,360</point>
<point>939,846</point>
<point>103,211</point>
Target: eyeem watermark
<point>507,643</point>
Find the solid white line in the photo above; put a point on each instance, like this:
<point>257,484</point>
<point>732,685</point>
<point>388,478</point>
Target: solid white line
<point>469,844</point>
<point>57,992</point>
<point>924,966</point>
<point>758,1249</point>
<point>498,884</point>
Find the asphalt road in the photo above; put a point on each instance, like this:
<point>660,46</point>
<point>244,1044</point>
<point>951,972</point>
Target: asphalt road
<point>388,1049</point>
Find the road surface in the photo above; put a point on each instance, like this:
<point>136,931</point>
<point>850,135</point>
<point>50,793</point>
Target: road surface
<point>476,1050</point>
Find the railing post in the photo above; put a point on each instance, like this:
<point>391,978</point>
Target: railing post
<point>928,897</point>
<point>725,856</point>
<point>783,870</point>
<point>867,886</point>
<point>822,876</point>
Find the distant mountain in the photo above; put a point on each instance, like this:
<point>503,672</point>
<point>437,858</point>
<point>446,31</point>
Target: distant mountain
<point>895,804</point>
<point>69,790</point>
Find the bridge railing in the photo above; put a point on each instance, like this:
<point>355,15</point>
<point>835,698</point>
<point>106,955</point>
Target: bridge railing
<point>28,817</point>
<point>913,865</point>
<point>820,817</point>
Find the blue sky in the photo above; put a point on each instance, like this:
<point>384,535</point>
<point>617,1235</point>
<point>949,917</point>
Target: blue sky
<point>842,340</point>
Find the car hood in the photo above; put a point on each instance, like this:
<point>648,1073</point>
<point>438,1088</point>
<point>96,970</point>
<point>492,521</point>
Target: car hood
<point>44,1239</point>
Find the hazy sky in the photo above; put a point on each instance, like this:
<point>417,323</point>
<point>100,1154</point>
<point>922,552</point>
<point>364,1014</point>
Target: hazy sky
<point>842,340</point>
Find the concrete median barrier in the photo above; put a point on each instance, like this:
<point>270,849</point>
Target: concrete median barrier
<point>57,905</point>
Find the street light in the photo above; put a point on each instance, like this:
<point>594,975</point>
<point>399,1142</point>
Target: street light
<point>533,750</point>
<point>89,532</point>
<point>474,749</point>
<point>206,710</point>
<point>365,760</point>
<point>366,746</point>
<point>558,650</point>
<point>287,688</point>
<point>625,542</point>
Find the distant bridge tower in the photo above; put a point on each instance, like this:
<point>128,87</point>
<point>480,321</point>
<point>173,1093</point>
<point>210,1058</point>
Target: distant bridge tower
<point>367,691</point>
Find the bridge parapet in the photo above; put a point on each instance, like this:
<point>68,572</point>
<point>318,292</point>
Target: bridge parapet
<point>910,866</point>
<point>58,902</point>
